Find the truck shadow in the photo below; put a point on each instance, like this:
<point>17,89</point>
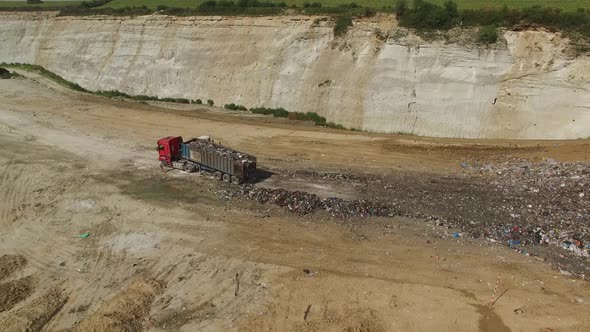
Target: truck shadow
<point>260,176</point>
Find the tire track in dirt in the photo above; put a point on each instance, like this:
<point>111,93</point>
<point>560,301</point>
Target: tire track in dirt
<point>45,259</point>
<point>39,236</point>
<point>16,194</point>
<point>201,287</point>
<point>41,182</point>
<point>10,191</point>
<point>105,263</point>
<point>44,244</point>
<point>104,273</point>
<point>46,248</point>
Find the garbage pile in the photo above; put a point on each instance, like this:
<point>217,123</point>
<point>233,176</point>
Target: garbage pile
<point>342,209</point>
<point>209,146</point>
<point>304,203</point>
<point>304,173</point>
<point>549,203</point>
<point>296,201</point>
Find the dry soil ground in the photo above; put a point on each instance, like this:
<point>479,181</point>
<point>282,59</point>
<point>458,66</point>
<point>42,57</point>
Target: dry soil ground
<point>165,252</point>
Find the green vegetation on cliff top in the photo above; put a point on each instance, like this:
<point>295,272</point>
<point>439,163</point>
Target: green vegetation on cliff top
<point>55,4</point>
<point>422,15</point>
<point>566,5</point>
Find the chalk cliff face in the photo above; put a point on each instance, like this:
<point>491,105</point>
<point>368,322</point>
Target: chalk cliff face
<point>377,77</point>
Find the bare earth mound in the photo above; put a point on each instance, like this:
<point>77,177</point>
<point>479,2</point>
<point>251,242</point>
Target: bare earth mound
<point>14,292</point>
<point>125,311</point>
<point>37,314</point>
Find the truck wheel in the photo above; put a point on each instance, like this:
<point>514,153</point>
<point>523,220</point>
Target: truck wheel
<point>235,180</point>
<point>218,176</point>
<point>189,168</point>
<point>197,168</point>
<point>226,178</point>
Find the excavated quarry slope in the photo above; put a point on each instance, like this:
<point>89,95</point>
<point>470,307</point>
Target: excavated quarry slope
<point>377,77</point>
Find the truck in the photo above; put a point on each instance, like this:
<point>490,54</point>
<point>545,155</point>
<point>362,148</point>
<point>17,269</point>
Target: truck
<point>203,154</point>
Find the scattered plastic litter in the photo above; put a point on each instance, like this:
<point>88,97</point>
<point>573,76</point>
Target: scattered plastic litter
<point>456,234</point>
<point>84,235</point>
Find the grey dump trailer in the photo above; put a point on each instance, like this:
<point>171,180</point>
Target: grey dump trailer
<point>202,154</point>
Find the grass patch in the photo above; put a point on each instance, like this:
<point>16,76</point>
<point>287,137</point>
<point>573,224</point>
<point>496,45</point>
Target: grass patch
<point>114,94</point>
<point>426,17</point>
<point>105,93</point>
<point>313,7</point>
<point>342,25</point>
<point>487,35</point>
<point>5,74</point>
<point>119,94</point>
<point>423,15</point>
<point>276,112</point>
<point>44,72</point>
<point>567,5</point>
<point>235,107</point>
<point>308,116</point>
<point>45,4</point>
<point>317,119</point>
<point>334,125</point>
<point>176,100</point>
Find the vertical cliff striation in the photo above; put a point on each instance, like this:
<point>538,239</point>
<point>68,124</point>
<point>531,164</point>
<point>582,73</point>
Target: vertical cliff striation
<point>377,77</point>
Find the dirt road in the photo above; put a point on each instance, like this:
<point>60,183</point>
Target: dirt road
<point>94,237</point>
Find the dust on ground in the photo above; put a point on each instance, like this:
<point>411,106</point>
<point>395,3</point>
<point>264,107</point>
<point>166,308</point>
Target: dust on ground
<point>165,251</point>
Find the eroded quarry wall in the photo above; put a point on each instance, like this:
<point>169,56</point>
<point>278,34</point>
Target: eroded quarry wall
<point>377,77</point>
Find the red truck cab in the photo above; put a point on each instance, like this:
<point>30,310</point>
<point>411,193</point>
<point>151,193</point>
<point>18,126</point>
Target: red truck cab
<point>169,149</point>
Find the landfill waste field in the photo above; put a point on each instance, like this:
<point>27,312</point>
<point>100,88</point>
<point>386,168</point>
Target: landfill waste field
<point>519,204</point>
<point>337,230</point>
